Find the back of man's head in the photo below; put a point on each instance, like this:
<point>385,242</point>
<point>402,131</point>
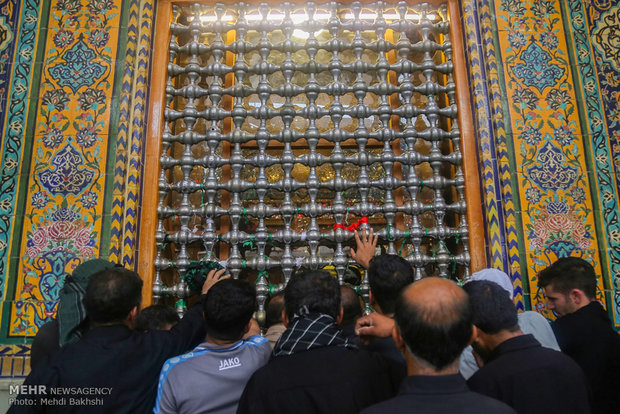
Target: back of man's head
<point>434,318</point>
<point>228,307</point>
<point>569,273</point>
<point>495,275</point>
<point>156,317</point>
<point>273,310</point>
<point>312,291</point>
<point>388,275</point>
<point>111,294</point>
<point>351,305</point>
<point>492,308</point>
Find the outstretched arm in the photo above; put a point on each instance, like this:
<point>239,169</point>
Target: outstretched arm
<point>190,331</point>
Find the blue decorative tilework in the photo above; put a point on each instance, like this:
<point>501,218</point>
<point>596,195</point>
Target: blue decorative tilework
<point>551,172</point>
<point>15,115</point>
<point>597,65</point>
<point>79,69</point>
<point>498,256</point>
<point>65,176</point>
<point>132,133</point>
<point>487,24</point>
<point>14,361</point>
<point>536,70</point>
<point>68,174</point>
<point>120,165</point>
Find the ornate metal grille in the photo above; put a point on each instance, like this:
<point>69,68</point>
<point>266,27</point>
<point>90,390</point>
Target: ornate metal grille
<point>284,125</point>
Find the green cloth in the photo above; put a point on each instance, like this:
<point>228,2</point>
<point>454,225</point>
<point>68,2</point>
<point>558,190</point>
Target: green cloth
<point>196,274</point>
<point>71,310</point>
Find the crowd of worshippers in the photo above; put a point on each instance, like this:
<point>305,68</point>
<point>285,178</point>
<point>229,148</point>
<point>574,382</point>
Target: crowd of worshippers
<point>430,346</point>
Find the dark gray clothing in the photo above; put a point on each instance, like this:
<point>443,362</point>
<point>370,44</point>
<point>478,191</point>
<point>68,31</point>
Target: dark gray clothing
<point>532,379</point>
<point>327,380</point>
<point>587,337</point>
<point>387,348</point>
<point>530,322</point>
<point>444,394</point>
<point>46,342</point>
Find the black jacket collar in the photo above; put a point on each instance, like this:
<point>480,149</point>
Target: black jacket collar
<point>517,343</point>
<point>430,384</point>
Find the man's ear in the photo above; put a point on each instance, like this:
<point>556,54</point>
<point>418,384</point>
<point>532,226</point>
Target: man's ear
<point>251,329</point>
<point>132,315</point>
<point>340,316</point>
<point>285,320</point>
<point>398,340</point>
<point>578,297</point>
<point>474,335</point>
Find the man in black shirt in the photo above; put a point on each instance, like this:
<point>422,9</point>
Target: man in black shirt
<point>583,329</point>
<point>388,275</point>
<point>112,368</point>
<point>517,369</point>
<point>433,326</point>
<point>315,368</point>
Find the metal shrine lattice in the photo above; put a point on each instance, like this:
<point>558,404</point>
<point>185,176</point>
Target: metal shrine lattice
<point>287,126</point>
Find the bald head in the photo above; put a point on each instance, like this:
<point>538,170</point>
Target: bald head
<point>438,300</point>
<point>435,320</point>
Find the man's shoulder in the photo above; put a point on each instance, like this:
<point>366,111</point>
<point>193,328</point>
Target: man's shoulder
<point>553,357</point>
<point>340,361</point>
<point>315,357</point>
<point>196,356</point>
<point>257,341</point>
<point>526,369</point>
<point>533,356</point>
<point>570,321</point>
<point>591,314</point>
<point>490,405</point>
<point>258,346</point>
<point>177,362</point>
<point>70,356</point>
<point>585,326</point>
<point>339,356</point>
<point>466,402</point>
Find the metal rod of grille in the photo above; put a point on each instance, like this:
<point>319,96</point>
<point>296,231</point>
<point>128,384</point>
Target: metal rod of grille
<point>285,124</point>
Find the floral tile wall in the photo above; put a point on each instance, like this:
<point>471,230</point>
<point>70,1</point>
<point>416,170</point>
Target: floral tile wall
<point>18,32</point>
<point>565,180</point>
<point>9,18</point>
<point>63,183</point>
<point>595,27</point>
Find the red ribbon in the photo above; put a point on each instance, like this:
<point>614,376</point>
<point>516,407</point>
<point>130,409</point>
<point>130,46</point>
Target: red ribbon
<point>353,226</point>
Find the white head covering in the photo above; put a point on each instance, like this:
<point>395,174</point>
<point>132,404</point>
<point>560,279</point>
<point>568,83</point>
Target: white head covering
<point>497,276</point>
